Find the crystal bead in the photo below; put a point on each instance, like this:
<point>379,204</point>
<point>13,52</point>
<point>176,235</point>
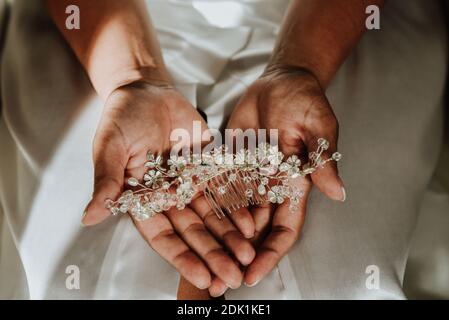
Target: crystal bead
<point>108,203</point>
<point>271,196</point>
<point>115,211</point>
<point>121,200</point>
<point>336,156</point>
<point>264,181</point>
<point>284,167</point>
<point>171,173</point>
<point>165,185</point>
<point>294,172</point>
<point>261,189</point>
<point>123,208</point>
<point>133,182</point>
<point>323,143</point>
<point>222,190</point>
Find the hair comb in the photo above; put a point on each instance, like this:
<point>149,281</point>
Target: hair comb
<point>228,181</point>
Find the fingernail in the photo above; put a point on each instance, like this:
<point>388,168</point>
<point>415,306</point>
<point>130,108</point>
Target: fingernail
<point>252,284</point>
<point>343,192</point>
<point>232,287</point>
<point>203,287</point>
<point>222,293</point>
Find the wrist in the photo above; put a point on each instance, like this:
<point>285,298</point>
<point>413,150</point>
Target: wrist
<point>286,64</point>
<point>152,75</point>
<point>276,72</point>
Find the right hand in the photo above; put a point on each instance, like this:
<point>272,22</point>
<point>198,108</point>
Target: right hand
<point>137,118</point>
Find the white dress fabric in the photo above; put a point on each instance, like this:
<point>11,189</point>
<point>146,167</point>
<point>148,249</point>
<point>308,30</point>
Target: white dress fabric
<point>388,98</point>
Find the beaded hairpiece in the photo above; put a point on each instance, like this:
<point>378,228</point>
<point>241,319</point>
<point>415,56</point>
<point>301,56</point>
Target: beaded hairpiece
<point>228,181</point>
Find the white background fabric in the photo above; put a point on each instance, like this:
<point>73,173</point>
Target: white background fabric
<point>388,97</point>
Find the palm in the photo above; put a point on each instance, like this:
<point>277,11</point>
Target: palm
<point>139,118</point>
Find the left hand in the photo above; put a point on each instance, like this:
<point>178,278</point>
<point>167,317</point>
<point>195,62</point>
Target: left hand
<point>292,101</point>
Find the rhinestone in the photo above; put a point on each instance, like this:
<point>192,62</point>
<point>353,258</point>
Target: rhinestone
<point>115,211</point>
<point>165,185</point>
<point>337,156</point>
<point>261,189</point>
<point>108,203</point>
<point>133,182</point>
<point>323,143</point>
<point>284,167</point>
<point>171,173</point>
<point>123,208</point>
<point>222,190</point>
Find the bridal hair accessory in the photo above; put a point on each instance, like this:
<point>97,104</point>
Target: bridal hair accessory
<point>228,181</point>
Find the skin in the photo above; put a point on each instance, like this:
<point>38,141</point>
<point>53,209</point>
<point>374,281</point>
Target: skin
<point>141,109</point>
<point>315,39</point>
<point>118,48</point>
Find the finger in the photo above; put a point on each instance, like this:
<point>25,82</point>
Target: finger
<point>284,233</point>
<point>159,233</point>
<point>217,288</point>
<point>109,162</point>
<point>326,179</point>
<point>244,221</point>
<point>224,230</point>
<point>262,216</point>
<point>192,230</point>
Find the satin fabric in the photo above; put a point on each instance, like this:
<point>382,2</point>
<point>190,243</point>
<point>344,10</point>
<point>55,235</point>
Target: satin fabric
<point>388,97</point>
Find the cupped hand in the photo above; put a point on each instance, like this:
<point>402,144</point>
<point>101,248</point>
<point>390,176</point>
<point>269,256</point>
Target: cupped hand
<point>140,117</point>
<point>292,101</point>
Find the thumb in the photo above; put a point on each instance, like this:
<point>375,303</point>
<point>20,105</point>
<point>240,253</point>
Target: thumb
<point>109,180</point>
<point>327,179</point>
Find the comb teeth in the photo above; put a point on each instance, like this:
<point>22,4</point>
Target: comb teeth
<point>232,190</point>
